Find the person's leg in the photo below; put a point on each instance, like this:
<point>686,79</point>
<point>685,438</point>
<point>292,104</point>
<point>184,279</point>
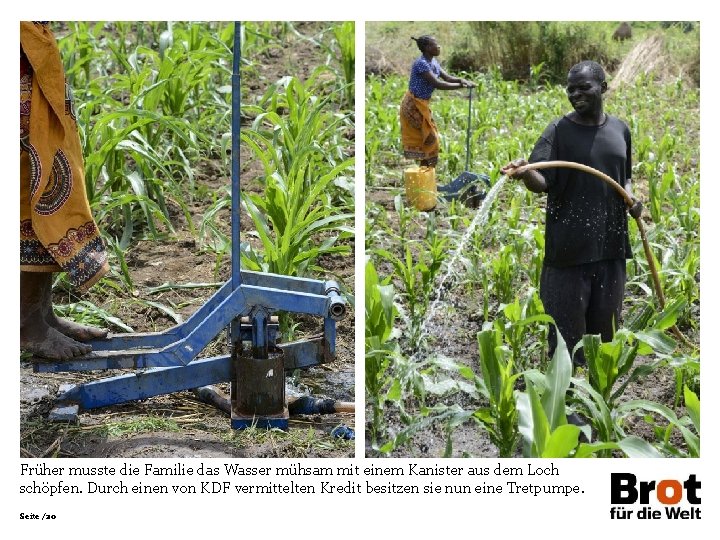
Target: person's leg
<point>608,290</point>
<point>78,332</point>
<point>36,335</point>
<point>565,293</point>
<point>41,332</point>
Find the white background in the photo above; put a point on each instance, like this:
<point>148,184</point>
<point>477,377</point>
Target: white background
<point>376,516</point>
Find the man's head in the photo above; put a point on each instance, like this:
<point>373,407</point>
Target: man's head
<point>585,87</point>
<point>427,45</point>
<point>596,69</point>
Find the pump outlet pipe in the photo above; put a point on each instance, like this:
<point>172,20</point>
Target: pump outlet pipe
<point>641,226</point>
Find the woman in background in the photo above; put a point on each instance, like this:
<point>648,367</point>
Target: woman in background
<point>420,137</point>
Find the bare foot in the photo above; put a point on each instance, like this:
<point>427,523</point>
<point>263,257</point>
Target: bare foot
<point>37,336</point>
<point>46,342</point>
<point>74,330</point>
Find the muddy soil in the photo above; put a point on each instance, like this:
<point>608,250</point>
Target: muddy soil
<point>179,425</point>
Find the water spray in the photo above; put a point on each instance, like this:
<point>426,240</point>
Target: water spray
<point>480,217</point>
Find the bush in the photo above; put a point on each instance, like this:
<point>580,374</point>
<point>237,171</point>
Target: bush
<point>517,47</point>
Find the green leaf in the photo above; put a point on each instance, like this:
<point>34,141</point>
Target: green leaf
<point>484,415</point>
<point>691,439</point>
<point>596,409</point>
<point>541,425</point>
<point>176,317</point>
<point>692,404</point>
<point>670,314</point>
<point>395,392</point>
<point>562,441</point>
<point>525,419</point>
<point>558,382</point>
<point>588,449</point>
<point>659,341</point>
<point>639,373</point>
<point>635,447</point>
<point>491,362</point>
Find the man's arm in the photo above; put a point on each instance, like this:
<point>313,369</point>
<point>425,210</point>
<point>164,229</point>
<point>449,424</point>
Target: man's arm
<point>533,180</point>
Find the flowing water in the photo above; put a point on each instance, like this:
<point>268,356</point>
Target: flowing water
<point>480,217</point>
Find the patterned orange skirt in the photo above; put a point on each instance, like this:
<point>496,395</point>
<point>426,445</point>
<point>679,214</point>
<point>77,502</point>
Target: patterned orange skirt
<point>420,137</point>
<point>57,231</point>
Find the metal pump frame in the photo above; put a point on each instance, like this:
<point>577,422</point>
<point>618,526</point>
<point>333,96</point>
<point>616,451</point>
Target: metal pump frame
<point>166,361</point>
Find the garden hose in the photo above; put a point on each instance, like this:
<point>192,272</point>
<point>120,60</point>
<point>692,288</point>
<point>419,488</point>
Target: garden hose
<point>296,405</point>
<point>641,227</point>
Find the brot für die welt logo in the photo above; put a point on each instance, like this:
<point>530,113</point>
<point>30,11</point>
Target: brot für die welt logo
<point>632,498</point>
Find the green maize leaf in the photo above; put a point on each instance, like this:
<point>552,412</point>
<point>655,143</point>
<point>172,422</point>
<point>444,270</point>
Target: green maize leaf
<point>659,341</point>
<point>466,372</point>
<point>597,368</point>
<point>586,450</point>
<point>86,309</point>
<point>540,426</point>
<point>525,419</point>
<point>167,286</point>
<point>691,364</point>
<point>562,442</point>
<point>137,183</point>
<point>596,409</point>
<point>387,447</point>
<point>442,387</point>
<point>635,447</point>
<point>692,403</point>
<point>537,378</point>
<point>649,406</point>
<point>691,439</point>
<point>693,442</point>
<point>670,314</point>
<point>128,229</point>
<point>395,392</point>
<point>261,226</point>
<point>165,309</point>
<point>491,361</point>
<point>456,416</point>
<point>485,416</point>
<point>540,318</point>
<point>558,382</point>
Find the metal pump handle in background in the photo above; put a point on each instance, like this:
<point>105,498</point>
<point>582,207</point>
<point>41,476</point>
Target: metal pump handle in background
<point>467,138</point>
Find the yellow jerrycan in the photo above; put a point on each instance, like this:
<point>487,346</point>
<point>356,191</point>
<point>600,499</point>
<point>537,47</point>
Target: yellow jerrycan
<point>420,187</point>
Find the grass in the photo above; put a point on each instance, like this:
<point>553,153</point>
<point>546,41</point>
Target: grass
<point>295,443</point>
<point>148,424</point>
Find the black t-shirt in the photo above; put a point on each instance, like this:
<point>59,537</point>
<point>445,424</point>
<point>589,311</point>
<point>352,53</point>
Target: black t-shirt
<point>586,218</point>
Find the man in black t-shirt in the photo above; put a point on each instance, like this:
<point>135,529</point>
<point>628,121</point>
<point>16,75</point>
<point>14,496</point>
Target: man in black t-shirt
<point>586,237</point>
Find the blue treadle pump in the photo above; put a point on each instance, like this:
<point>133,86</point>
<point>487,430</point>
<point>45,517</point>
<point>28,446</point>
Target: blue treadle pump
<point>165,362</point>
